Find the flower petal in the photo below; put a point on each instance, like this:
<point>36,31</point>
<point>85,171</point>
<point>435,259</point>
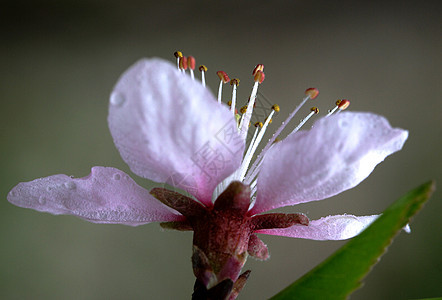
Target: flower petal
<point>338,227</point>
<point>169,128</point>
<point>107,195</point>
<point>335,155</point>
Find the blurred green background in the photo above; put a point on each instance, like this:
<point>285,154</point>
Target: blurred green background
<point>60,60</point>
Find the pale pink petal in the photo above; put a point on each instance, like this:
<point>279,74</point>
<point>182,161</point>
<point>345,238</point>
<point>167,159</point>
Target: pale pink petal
<point>339,227</point>
<point>169,128</point>
<point>107,195</point>
<point>335,155</point>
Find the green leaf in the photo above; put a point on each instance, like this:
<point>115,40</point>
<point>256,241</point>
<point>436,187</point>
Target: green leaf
<point>342,273</point>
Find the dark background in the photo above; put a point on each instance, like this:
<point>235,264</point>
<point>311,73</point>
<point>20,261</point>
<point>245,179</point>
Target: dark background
<point>60,59</point>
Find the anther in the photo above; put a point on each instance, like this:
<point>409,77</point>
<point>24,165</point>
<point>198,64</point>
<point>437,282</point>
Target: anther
<point>191,65</point>
<point>234,81</point>
<point>243,109</point>
<point>259,67</point>
<point>224,78</point>
<point>259,124</point>
<point>203,70</point>
<point>312,93</point>
<point>315,109</point>
<point>259,76</point>
<point>191,62</point>
<point>178,54</point>
<point>183,63</point>
<point>343,104</point>
<point>275,107</point>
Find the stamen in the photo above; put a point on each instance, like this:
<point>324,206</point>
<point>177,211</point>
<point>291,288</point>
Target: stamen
<point>340,104</point>
<point>314,110</point>
<point>253,184</point>
<point>311,93</point>
<point>259,67</point>
<point>253,188</point>
<point>224,78</point>
<point>234,82</point>
<point>183,64</point>
<point>253,173</point>
<point>343,105</point>
<point>178,54</point>
<point>243,111</point>
<point>259,78</point>
<point>331,111</point>
<point>275,107</point>
<point>248,157</point>
<point>191,65</point>
<point>203,70</point>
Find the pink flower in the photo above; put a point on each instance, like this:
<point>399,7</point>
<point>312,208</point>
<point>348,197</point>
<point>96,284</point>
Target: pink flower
<point>170,129</point>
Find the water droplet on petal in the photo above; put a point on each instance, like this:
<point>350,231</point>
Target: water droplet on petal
<point>117,99</point>
<point>42,200</point>
<point>117,176</point>
<point>70,185</point>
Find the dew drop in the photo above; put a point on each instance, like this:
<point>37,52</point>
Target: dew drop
<point>70,185</point>
<point>117,99</point>
<point>117,176</point>
<point>42,200</point>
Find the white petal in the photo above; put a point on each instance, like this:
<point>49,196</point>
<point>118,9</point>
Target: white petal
<point>169,128</point>
<point>338,227</point>
<point>335,155</point>
<point>107,195</point>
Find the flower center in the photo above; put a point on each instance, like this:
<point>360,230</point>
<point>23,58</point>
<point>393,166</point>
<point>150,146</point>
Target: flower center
<point>248,171</point>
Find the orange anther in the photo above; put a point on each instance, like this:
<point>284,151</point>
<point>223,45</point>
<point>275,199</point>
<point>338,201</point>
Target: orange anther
<point>275,107</point>
<point>259,76</point>
<point>223,76</point>
<point>312,93</point>
<point>343,104</point>
<point>259,124</point>
<point>202,68</point>
<point>191,62</point>
<point>259,67</point>
<point>315,109</point>
<point>183,63</point>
